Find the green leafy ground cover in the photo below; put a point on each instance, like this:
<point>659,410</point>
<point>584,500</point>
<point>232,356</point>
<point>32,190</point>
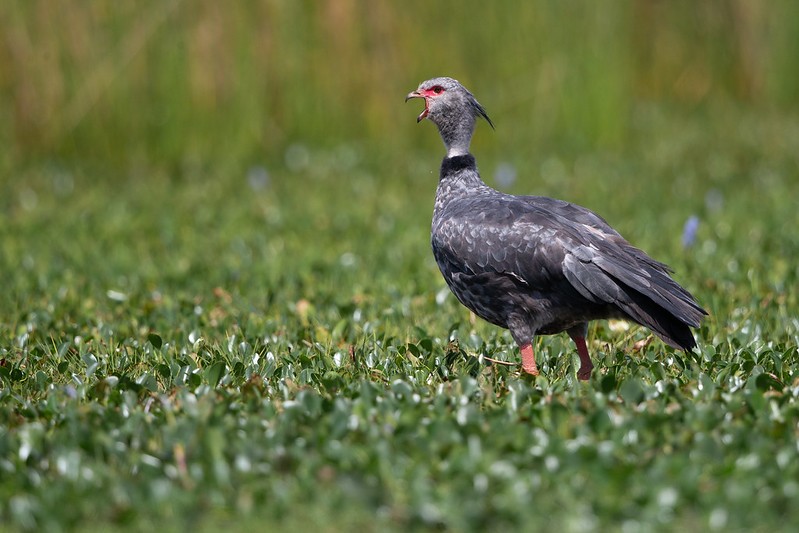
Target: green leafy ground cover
<point>273,347</point>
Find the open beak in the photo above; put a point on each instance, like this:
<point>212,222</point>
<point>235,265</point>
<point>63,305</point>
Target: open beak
<point>417,94</point>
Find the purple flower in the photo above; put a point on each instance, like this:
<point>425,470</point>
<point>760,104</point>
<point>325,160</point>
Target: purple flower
<point>689,231</point>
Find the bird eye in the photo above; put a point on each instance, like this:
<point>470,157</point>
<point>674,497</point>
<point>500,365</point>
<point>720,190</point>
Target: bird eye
<point>438,89</point>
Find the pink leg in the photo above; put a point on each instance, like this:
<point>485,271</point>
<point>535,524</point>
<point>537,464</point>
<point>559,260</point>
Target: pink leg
<point>528,360</point>
<point>586,366</point>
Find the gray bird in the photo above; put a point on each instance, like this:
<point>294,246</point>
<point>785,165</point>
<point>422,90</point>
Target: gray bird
<point>536,265</point>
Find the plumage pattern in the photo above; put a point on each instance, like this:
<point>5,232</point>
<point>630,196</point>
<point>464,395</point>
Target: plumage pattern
<point>537,265</point>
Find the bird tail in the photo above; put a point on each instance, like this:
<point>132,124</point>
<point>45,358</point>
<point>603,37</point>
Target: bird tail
<point>641,288</point>
<point>650,297</point>
<point>664,322</point>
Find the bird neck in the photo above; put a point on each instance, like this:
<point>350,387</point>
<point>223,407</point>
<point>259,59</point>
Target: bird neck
<point>457,166</point>
<point>459,173</point>
<point>456,134</point>
<point>458,179</point>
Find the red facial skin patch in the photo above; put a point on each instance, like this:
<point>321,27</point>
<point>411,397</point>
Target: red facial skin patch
<point>433,91</point>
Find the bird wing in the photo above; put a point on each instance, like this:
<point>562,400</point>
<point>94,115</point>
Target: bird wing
<point>500,234</point>
<point>541,241</point>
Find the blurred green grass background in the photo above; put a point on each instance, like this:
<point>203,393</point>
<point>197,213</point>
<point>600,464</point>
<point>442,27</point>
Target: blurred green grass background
<point>178,84</point>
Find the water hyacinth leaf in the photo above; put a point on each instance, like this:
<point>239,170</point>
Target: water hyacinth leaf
<point>147,381</point>
<point>608,383</point>
<point>777,361</point>
<point>708,385</point>
<point>332,380</point>
<point>182,376</point>
<point>155,340</point>
<point>214,373</point>
<point>92,363</point>
<point>426,344</point>
<point>401,389</point>
<point>340,329</point>
<point>631,390</point>
<point>194,379</point>
<point>42,380</point>
<point>767,381</point>
<point>310,402</point>
<point>164,371</point>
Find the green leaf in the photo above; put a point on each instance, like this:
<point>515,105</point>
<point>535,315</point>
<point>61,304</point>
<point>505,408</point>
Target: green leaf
<point>214,373</point>
<point>148,381</point>
<point>767,381</point>
<point>631,390</point>
<point>164,371</point>
<point>608,383</point>
<point>155,340</point>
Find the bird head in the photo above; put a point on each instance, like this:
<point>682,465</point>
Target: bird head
<point>444,97</point>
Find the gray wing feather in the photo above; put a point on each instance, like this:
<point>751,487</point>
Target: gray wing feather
<point>542,241</point>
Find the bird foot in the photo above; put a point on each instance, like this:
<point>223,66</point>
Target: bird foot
<point>532,370</point>
<point>584,374</point>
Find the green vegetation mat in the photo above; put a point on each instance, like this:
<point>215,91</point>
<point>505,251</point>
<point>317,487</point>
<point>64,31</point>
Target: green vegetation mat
<point>204,350</point>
